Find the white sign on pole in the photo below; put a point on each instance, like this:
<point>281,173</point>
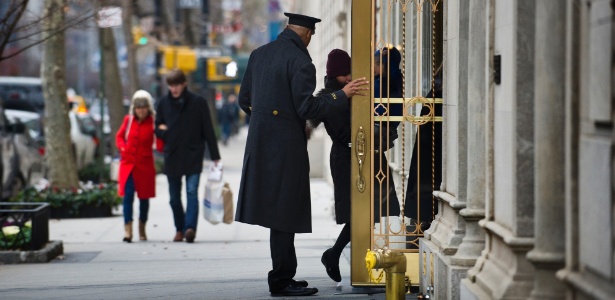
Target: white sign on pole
<point>110,16</point>
<point>190,4</point>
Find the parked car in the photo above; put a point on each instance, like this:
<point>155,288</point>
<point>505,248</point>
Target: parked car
<point>30,147</point>
<point>84,138</point>
<point>19,165</point>
<point>24,93</point>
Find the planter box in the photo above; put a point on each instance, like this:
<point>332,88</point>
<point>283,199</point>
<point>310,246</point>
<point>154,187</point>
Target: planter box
<point>86,211</point>
<point>51,250</point>
<point>18,214</point>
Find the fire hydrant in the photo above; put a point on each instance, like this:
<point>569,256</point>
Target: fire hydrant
<point>394,265</point>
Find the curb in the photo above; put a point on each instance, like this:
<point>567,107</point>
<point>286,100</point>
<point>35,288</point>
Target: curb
<point>52,250</point>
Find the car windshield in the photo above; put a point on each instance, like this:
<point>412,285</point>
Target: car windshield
<point>32,94</point>
<point>30,120</point>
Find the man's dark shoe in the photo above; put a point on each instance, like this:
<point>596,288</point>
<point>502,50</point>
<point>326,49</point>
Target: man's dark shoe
<point>179,236</point>
<point>190,235</point>
<point>300,283</point>
<point>293,290</point>
<point>332,266</point>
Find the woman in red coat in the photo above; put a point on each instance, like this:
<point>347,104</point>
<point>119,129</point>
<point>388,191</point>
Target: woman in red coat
<point>134,140</point>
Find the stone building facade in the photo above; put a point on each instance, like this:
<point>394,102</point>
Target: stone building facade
<point>526,205</point>
<point>525,209</point>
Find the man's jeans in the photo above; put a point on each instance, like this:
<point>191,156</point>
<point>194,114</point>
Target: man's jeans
<point>129,196</point>
<point>189,219</point>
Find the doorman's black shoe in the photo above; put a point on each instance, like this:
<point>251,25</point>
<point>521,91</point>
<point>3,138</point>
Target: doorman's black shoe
<point>294,290</point>
<point>332,266</point>
<point>300,283</point>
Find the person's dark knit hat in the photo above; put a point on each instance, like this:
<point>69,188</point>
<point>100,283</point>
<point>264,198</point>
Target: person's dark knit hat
<point>301,20</point>
<point>338,63</point>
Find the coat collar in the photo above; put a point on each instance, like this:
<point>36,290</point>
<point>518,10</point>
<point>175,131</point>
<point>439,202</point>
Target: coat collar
<point>293,37</point>
<point>183,97</point>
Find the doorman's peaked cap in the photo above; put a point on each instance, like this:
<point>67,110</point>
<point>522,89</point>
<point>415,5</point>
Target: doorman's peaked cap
<point>301,20</point>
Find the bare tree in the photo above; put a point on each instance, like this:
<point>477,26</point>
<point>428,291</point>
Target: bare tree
<point>112,87</point>
<point>112,82</point>
<point>60,155</point>
<point>133,74</point>
<point>15,27</point>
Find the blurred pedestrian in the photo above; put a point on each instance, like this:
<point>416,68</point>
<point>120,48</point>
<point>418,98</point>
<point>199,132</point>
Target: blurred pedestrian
<point>421,180</point>
<point>387,84</point>
<point>338,128</point>
<point>184,123</point>
<point>137,173</point>
<point>277,92</point>
<point>228,117</point>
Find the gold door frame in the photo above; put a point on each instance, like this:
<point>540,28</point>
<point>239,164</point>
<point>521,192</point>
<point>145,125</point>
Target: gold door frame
<point>363,119</point>
<point>360,192</point>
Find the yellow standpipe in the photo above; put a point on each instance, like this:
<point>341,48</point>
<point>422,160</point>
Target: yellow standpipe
<point>394,265</point>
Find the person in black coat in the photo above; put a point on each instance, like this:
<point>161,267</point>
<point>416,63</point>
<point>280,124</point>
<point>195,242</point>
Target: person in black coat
<point>419,203</point>
<point>387,84</point>
<point>277,93</point>
<point>184,123</point>
<point>338,128</point>
<point>228,116</point>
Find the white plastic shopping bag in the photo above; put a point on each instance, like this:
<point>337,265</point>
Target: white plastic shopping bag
<point>215,172</point>
<point>213,203</point>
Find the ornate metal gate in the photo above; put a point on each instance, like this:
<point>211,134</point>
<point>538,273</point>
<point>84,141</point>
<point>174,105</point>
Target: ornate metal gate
<point>396,131</point>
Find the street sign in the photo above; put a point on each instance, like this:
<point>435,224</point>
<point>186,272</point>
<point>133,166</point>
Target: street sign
<point>110,16</point>
<point>208,52</point>
<point>190,4</point>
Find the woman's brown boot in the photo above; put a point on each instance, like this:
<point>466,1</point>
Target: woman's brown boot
<point>142,235</point>
<point>128,232</point>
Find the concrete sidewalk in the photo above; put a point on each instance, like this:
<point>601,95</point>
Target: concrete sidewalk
<point>224,262</point>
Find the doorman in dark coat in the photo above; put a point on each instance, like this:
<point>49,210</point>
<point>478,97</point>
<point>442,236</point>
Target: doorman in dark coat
<point>277,93</point>
<point>184,123</point>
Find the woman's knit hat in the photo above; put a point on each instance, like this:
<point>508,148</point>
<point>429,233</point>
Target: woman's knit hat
<point>338,63</point>
<point>142,98</point>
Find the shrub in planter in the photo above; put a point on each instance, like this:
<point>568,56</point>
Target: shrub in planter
<point>13,237</point>
<point>94,172</point>
<point>25,226</point>
<point>73,200</point>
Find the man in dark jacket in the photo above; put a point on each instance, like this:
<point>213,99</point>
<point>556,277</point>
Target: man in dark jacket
<point>277,92</point>
<point>184,123</point>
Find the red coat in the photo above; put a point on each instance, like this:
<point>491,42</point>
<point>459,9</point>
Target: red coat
<point>137,156</point>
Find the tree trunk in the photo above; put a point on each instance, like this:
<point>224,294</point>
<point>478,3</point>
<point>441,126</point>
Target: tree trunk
<point>131,48</point>
<point>59,150</point>
<point>190,28</point>
<point>169,34</point>
<point>113,84</point>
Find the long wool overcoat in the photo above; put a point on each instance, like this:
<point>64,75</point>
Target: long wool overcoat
<point>137,156</point>
<point>277,92</point>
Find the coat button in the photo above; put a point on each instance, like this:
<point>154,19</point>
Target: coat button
<point>275,112</point>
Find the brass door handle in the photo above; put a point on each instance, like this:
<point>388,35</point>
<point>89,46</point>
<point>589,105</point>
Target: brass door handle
<point>360,152</point>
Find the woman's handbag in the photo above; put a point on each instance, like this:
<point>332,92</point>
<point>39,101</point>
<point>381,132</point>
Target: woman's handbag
<point>114,170</point>
<point>114,166</point>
